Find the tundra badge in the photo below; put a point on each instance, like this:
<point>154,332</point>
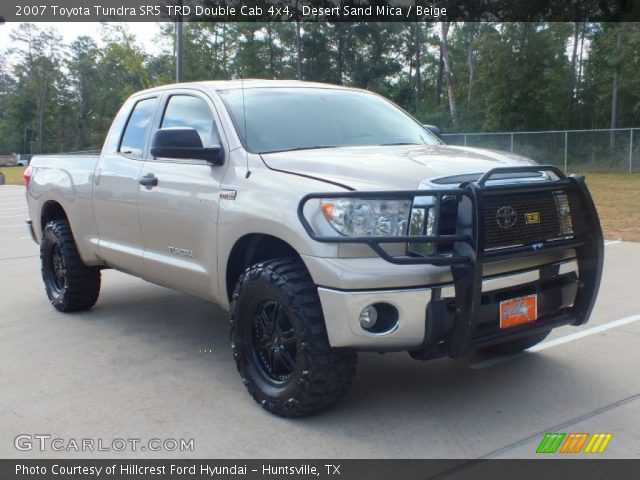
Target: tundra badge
<point>183,252</point>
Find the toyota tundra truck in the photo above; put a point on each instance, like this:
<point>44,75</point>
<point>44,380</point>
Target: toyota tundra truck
<point>327,221</point>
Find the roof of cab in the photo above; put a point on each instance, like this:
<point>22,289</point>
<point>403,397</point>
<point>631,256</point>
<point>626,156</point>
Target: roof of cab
<point>248,83</point>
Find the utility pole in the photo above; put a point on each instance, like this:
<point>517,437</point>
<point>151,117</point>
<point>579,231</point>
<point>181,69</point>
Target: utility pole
<point>179,72</point>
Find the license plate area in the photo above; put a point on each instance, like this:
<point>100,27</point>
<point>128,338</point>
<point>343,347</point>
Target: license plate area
<point>518,311</point>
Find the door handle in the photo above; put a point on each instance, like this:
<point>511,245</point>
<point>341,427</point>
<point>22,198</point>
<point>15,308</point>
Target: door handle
<point>149,180</point>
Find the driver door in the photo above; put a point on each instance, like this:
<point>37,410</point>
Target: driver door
<point>179,211</point>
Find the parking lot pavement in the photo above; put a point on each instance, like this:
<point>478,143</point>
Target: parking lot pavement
<point>148,362</point>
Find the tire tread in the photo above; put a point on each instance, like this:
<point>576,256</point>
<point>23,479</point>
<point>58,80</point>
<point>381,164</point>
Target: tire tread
<point>332,370</point>
<point>82,283</point>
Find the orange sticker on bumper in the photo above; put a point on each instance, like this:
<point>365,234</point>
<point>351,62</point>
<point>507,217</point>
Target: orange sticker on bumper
<point>517,311</point>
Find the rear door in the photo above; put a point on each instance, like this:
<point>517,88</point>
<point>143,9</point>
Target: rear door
<point>115,193</point>
<point>179,215</point>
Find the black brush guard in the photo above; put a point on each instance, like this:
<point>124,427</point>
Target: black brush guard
<point>468,254</point>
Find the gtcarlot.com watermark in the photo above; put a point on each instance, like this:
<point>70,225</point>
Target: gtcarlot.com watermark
<point>45,442</point>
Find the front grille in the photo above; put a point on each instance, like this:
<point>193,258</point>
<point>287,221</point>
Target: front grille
<point>533,218</point>
<point>514,220</point>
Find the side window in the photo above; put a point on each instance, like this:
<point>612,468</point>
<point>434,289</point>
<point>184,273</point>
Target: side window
<point>193,112</point>
<point>134,133</point>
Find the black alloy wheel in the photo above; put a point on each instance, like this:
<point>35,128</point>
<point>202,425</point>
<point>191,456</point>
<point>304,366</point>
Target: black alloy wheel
<point>273,342</point>
<point>70,285</point>
<point>280,343</point>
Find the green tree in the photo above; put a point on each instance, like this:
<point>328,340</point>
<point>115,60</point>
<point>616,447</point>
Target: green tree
<point>122,72</point>
<point>522,77</point>
<point>7,86</point>
<point>85,82</point>
<point>485,76</point>
<point>33,105</point>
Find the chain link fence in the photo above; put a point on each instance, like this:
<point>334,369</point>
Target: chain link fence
<point>574,151</point>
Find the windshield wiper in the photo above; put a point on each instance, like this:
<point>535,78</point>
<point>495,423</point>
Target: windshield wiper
<point>398,143</point>
<point>299,148</point>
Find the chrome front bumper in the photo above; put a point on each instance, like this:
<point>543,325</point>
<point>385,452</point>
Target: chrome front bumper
<point>342,309</point>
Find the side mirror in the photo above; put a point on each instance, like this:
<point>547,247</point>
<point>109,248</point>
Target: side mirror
<point>435,130</point>
<point>182,142</point>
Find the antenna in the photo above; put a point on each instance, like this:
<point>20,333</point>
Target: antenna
<point>246,133</point>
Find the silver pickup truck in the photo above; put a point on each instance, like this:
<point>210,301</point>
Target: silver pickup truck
<point>327,221</point>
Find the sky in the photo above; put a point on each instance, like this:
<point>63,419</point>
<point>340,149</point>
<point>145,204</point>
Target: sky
<point>146,33</point>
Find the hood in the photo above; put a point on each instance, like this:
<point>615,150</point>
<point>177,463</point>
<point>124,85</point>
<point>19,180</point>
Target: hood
<point>399,167</point>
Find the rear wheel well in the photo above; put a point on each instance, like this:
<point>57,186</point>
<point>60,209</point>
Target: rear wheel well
<point>52,211</point>
<point>252,249</point>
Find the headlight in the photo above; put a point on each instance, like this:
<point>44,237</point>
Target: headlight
<point>356,217</point>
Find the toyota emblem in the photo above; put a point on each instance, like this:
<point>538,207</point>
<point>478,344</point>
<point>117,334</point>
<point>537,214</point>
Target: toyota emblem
<point>506,217</point>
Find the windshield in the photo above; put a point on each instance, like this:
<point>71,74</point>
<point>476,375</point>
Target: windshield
<point>282,119</point>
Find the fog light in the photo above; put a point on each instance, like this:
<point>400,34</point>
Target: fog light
<point>368,317</point>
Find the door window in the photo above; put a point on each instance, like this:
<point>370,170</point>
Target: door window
<point>136,130</point>
<point>192,112</point>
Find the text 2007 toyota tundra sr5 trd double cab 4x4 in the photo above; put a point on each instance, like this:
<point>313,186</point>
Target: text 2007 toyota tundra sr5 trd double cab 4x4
<point>328,221</point>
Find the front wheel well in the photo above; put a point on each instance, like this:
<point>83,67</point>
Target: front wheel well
<point>251,249</point>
